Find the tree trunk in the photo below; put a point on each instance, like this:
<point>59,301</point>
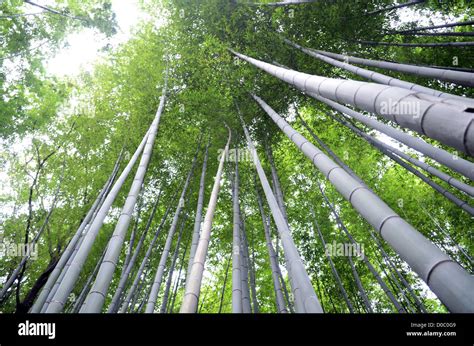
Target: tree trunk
<point>42,302</point>
<point>379,144</point>
<point>305,297</point>
<point>369,265</point>
<point>418,302</point>
<point>329,151</point>
<point>384,79</point>
<point>396,155</point>
<point>224,285</point>
<point>399,280</point>
<point>446,234</point>
<point>445,123</point>
<point>449,281</point>
<point>20,269</point>
<point>27,303</point>
<point>115,303</point>
<point>289,302</point>
<point>85,290</point>
<point>459,165</point>
<point>331,264</point>
<point>71,276</point>
<point>361,289</point>
<point>96,298</point>
<point>458,77</point>
<point>198,217</point>
<point>145,259</point>
<point>237,293</point>
<point>246,307</point>
<point>172,266</point>
<point>320,295</point>
<point>178,279</point>
<point>277,191</point>
<point>191,295</point>
<point>131,241</point>
<point>395,285</point>
<point>328,294</point>
<point>279,299</point>
<point>166,250</point>
<point>253,285</point>
<point>382,146</point>
<point>276,181</point>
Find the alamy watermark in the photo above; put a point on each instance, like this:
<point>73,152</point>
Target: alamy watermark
<point>233,155</point>
<point>8,249</point>
<point>336,249</point>
<point>401,107</point>
<point>28,328</point>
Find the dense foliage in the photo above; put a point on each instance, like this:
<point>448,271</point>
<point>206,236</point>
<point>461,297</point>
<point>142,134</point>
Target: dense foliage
<point>73,130</point>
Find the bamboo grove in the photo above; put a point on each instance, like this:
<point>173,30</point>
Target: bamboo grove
<point>246,157</point>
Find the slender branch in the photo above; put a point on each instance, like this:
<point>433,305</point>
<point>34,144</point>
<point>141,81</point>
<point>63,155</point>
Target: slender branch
<point>429,45</point>
<point>54,11</point>
<point>448,25</point>
<point>389,8</point>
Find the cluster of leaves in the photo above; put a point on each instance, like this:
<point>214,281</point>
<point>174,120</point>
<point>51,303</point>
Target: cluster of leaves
<point>29,36</point>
